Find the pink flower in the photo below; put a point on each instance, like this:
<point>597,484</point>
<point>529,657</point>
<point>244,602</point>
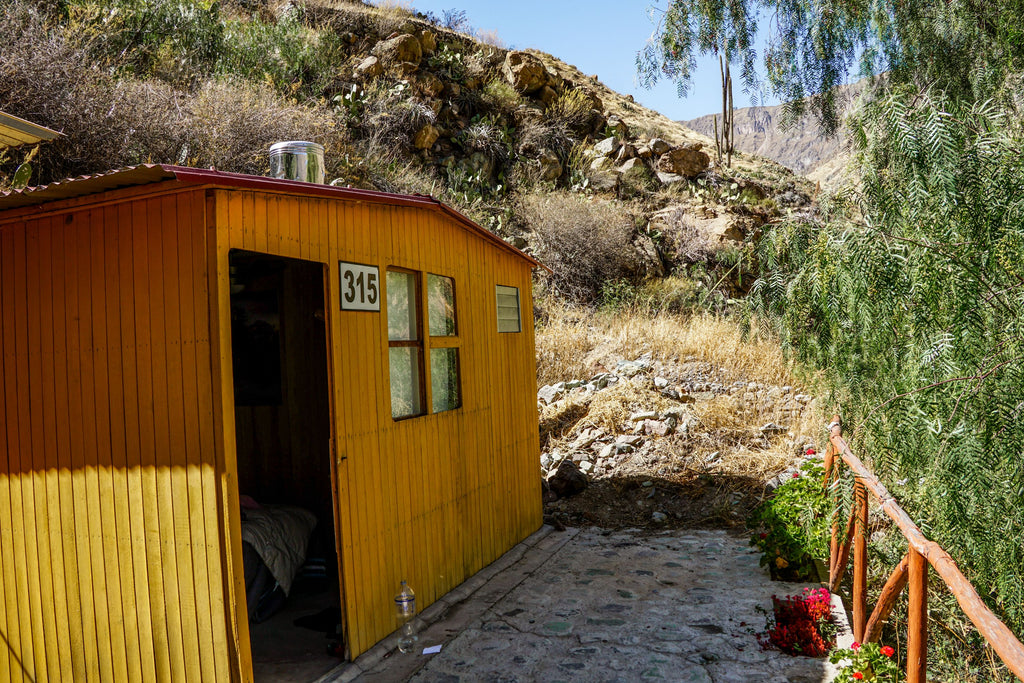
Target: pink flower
<point>855,646</point>
<point>858,675</point>
<point>888,651</point>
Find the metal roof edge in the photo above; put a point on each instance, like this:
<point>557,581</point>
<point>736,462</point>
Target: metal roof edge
<point>241,180</point>
<point>144,174</point>
<point>26,132</point>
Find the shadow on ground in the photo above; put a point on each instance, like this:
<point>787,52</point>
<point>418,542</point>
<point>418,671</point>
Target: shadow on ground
<point>689,500</point>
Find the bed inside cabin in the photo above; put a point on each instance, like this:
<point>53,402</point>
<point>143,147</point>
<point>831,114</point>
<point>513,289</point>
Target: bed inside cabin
<point>282,431</point>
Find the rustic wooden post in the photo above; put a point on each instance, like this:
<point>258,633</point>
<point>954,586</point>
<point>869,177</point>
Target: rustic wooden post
<point>917,619</point>
<point>832,464</point>
<point>886,601</point>
<point>860,561</point>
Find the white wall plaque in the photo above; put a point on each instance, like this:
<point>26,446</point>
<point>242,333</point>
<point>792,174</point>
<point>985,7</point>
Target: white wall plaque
<point>360,287</point>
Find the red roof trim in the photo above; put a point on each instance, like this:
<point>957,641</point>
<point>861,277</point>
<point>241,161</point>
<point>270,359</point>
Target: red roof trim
<point>251,182</point>
<point>146,174</point>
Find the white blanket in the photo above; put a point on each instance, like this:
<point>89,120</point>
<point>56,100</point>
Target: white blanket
<point>279,533</point>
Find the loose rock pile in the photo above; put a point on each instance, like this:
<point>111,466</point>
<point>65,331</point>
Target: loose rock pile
<point>669,436</point>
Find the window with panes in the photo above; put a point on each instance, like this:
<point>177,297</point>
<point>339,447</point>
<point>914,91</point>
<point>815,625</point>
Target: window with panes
<point>423,343</point>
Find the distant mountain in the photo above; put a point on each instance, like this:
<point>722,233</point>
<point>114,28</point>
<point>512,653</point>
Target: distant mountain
<point>802,147</point>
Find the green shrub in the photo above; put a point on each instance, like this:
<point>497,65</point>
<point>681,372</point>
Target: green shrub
<point>499,94</point>
<point>292,57</point>
<point>109,122</point>
<point>447,62</point>
<point>793,527</point>
<point>176,40</point>
<point>914,310</point>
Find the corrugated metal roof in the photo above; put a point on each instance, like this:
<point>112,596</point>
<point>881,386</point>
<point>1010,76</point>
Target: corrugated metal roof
<point>15,132</point>
<point>84,185</point>
<point>145,174</point>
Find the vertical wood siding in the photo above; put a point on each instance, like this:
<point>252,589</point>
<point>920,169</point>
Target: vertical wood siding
<point>431,499</point>
<point>110,549</point>
<point>120,554</point>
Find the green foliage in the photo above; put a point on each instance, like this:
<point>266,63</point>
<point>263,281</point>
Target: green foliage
<point>674,295</point>
<point>916,312</point>
<point>448,63</point>
<point>873,662</point>
<point>792,528</point>
<point>289,55</point>
<point>964,48</point>
<point>178,40</point>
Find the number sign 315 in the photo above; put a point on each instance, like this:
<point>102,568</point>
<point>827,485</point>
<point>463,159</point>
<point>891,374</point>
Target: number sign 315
<point>360,287</point>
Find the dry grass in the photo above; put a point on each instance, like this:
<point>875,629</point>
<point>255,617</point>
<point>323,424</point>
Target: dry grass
<point>576,343</point>
<point>725,437</point>
<point>109,122</point>
<point>611,408</point>
<point>585,242</point>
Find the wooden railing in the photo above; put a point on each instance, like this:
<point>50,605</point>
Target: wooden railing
<point>912,570</point>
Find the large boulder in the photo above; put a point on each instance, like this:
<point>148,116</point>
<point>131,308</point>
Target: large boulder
<point>525,72</point>
<point>547,94</point>
<point>403,51</point>
<point>647,253</point>
<point>726,227</point>
<point>369,68</point>
<point>688,160</point>
<point>430,85</point>
<point>428,42</point>
<point>606,147</point>
<point>426,137</point>
<point>658,146</point>
<point>567,480</point>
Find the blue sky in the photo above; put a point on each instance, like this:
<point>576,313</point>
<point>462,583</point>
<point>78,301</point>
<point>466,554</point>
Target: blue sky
<point>599,37</point>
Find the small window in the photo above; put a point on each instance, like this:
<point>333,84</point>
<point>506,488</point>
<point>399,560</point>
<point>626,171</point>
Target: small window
<point>444,379</point>
<point>441,295</point>
<point>508,309</point>
<point>409,348</point>
<point>405,346</point>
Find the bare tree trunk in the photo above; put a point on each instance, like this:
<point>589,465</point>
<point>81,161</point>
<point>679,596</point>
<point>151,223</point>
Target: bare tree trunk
<point>732,120</point>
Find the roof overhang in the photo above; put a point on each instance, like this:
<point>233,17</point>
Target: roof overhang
<point>15,132</point>
<point>144,174</point>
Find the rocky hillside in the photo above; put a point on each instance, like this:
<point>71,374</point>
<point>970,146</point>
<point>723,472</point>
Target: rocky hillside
<point>522,142</point>
<point>648,424</point>
<point>801,147</point>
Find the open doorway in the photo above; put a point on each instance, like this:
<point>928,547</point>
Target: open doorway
<point>283,431</point>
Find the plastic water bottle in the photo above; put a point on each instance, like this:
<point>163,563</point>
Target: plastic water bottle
<point>405,611</point>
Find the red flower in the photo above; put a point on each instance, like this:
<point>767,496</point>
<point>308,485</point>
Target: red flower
<point>810,451</point>
<point>855,646</point>
<point>764,534</point>
<point>858,675</point>
<point>888,651</point>
<point>796,475</point>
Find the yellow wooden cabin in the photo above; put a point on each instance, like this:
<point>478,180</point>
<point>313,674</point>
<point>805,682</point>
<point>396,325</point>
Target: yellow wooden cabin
<point>173,338</point>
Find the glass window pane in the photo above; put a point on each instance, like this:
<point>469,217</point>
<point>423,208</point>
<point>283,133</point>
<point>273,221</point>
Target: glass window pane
<point>401,306</point>
<point>444,379</point>
<point>441,294</point>
<point>508,309</point>
<point>405,381</point>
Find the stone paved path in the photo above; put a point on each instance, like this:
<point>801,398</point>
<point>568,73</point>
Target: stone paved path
<point>588,605</point>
